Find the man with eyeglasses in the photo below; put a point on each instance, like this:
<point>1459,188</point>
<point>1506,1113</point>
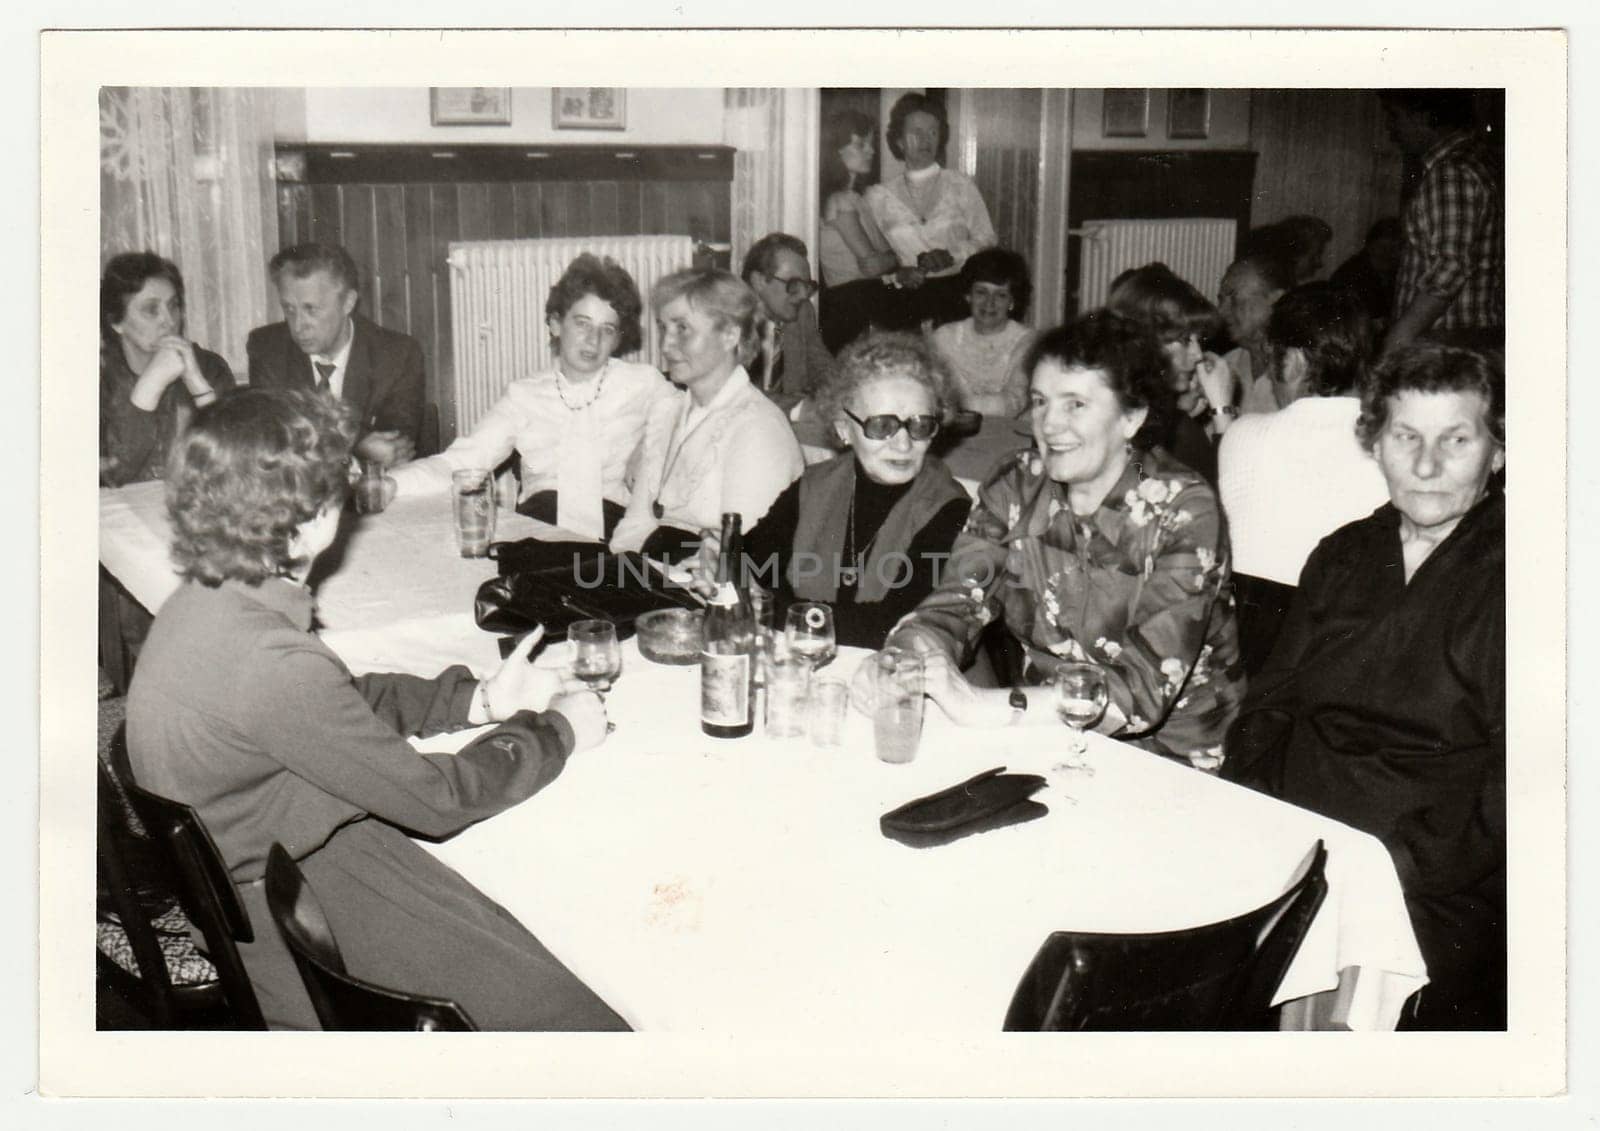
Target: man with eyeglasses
<point>793,359</point>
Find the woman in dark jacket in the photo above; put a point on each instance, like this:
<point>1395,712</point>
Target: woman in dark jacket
<point>868,530</point>
<point>238,710</point>
<point>152,378</point>
<point>1383,703</point>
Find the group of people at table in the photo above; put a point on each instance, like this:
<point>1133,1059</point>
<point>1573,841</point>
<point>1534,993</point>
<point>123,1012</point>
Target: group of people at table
<point>1381,703</point>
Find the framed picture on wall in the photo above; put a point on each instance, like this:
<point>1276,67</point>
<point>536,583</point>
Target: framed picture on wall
<point>589,107</point>
<point>1127,112</point>
<point>471,105</point>
<point>1188,113</point>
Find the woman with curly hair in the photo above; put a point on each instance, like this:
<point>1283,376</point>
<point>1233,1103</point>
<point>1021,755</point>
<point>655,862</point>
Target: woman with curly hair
<point>867,530</point>
<point>1094,546</point>
<point>152,378</point>
<point>985,352</point>
<point>1383,704</point>
<point>576,426</point>
<point>239,711</point>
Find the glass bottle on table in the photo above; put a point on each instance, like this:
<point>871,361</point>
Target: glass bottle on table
<point>727,659</point>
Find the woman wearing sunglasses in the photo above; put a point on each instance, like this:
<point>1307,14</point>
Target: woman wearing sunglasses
<point>1094,546</point>
<point>867,530</point>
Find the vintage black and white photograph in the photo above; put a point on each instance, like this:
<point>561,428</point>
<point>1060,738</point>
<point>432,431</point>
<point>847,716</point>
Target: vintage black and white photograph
<point>816,566</point>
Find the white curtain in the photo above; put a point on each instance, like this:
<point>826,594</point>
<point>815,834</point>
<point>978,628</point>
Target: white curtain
<point>188,174</point>
<point>775,134</point>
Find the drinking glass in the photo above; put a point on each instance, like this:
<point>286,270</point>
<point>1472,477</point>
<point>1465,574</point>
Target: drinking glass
<point>897,704</point>
<point>374,490</point>
<point>596,656</point>
<point>761,609</point>
<point>830,701</point>
<point>472,490</point>
<point>808,629</point>
<point>788,685</point>
<point>1081,697</point>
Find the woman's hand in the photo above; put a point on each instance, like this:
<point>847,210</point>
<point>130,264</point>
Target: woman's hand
<point>519,686</point>
<point>388,448</point>
<point>936,260</point>
<point>947,687</point>
<point>1218,384</point>
<point>909,278</point>
<point>165,367</point>
<point>585,712</point>
<point>703,566</point>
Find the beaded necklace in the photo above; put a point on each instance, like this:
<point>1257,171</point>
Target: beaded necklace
<point>599,387</point>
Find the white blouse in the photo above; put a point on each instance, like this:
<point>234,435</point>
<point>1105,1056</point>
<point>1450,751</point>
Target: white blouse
<point>736,454</point>
<point>532,418</point>
<point>958,220</point>
<point>987,368</point>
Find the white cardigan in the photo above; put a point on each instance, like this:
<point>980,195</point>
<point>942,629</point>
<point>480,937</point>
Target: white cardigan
<point>737,454</point>
<point>1290,478</point>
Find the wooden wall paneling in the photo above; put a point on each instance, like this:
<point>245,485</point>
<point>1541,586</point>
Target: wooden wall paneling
<point>525,209</point>
<point>553,209</point>
<point>678,204</point>
<point>476,223</point>
<point>1321,154</point>
<point>423,281</point>
<point>603,202</point>
<point>654,221</point>
<point>389,230</point>
<point>360,240</point>
<point>446,226</point>
<point>326,223</point>
<point>721,212</point>
<point>502,212</point>
<point>580,209</point>
<point>630,207</point>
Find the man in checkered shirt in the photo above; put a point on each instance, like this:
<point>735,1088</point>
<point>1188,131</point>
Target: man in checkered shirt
<point>1452,283</point>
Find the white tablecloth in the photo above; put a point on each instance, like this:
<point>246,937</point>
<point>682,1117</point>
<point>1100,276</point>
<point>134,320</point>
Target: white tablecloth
<point>715,886</point>
<point>393,594</point>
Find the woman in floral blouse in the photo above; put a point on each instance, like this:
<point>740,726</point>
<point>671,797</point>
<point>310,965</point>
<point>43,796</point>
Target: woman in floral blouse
<point>1094,546</point>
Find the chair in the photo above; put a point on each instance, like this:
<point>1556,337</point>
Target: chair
<point>1262,606</point>
<point>185,850</point>
<point>1217,977</point>
<point>149,972</point>
<point>341,1001</point>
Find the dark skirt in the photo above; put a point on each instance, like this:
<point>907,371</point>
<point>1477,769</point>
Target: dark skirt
<point>405,921</point>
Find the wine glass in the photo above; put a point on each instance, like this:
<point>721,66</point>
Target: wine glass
<point>808,630</point>
<point>1081,698</point>
<point>596,656</point>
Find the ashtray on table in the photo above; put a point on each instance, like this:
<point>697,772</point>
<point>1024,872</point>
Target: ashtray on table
<point>671,636</point>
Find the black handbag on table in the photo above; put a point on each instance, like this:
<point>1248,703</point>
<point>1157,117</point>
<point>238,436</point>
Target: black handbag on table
<point>555,583</point>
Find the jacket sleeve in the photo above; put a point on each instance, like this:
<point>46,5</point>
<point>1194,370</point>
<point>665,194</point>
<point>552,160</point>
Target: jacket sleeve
<point>970,591</point>
<point>317,723</point>
<point>400,407</point>
<point>128,434</point>
<point>262,373</point>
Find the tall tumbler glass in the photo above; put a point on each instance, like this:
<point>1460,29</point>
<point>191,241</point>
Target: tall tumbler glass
<point>897,704</point>
<point>472,490</point>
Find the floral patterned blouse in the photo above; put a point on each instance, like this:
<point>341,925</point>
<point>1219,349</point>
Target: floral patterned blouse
<point>1141,587</point>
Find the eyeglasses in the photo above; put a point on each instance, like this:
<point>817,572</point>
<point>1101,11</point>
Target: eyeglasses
<point>797,288</point>
<point>885,425</point>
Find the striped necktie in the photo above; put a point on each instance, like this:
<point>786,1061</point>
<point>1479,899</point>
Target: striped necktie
<point>324,374</point>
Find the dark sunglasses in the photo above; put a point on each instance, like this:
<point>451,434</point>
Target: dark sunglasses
<point>885,425</point>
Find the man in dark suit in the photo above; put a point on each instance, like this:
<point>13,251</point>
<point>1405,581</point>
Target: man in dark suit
<point>793,359</point>
<point>324,344</point>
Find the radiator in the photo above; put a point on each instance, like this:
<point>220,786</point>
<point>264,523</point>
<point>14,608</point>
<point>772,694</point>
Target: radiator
<point>498,289</point>
<point>1198,251</point>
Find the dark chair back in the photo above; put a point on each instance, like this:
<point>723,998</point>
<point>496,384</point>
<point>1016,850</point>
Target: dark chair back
<point>204,889</point>
<point>152,988</point>
<point>1262,606</point>
<point>341,1001</point>
<point>1219,976</point>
